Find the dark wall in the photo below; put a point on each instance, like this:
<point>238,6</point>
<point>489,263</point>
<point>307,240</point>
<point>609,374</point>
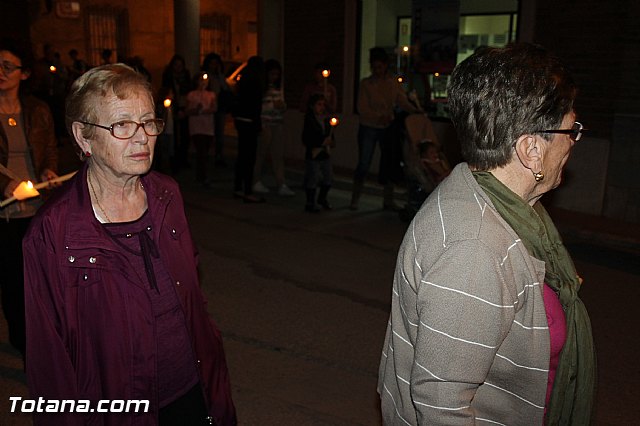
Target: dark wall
<point>600,42</point>
<point>315,32</point>
<point>14,18</point>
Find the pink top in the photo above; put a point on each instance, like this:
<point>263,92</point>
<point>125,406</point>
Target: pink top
<point>557,334</point>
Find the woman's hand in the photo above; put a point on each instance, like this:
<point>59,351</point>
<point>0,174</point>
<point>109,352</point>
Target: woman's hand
<point>11,186</point>
<point>48,175</point>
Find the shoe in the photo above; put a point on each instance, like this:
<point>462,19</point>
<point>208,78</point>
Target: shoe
<point>325,205</point>
<point>285,191</point>
<point>252,199</point>
<point>260,188</point>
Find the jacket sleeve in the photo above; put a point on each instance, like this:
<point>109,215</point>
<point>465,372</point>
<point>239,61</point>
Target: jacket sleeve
<point>312,135</point>
<point>465,311</point>
<point>50,372</point>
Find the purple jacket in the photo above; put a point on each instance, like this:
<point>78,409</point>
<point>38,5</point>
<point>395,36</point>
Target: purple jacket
<point>85,307</point>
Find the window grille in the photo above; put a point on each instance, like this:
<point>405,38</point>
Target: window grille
<point>107,28</point>
<point>215,35</point>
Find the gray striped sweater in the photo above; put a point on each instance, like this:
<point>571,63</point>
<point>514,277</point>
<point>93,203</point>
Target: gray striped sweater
<point>467,340</point>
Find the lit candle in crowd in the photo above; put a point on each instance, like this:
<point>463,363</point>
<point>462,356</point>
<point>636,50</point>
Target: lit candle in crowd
<point>334,121</point>
<point>25,190</point>
<point>205,76</point>
<point>167,103</point>
<point>52,68</point>
<point>326,73</point>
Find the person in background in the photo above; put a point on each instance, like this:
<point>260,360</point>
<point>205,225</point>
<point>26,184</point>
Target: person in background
<point>177,77</point>
<point>247,119</point>
<point>318,140</point>
<point>106,57</point>
<point>113,302</point>
<point>214,67</point>
<point>49,81</point>
<point>201,106</point>
<point>27,152</point>
<point>271,138</point>
<point>320,85</point>
<point>379,96</point>
<point>78,65</point>
<point>486,324</point>
<point>164,151</point>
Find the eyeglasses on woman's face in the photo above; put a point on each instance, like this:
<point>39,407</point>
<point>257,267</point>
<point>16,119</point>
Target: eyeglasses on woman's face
<point>575,132</point>
<point>126,129</point>
<point>9,67</point>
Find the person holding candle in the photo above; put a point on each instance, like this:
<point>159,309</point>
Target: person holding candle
<point>247,118</point>
<point>201,107</point>
<point>212,64</point>
<point>320,85</point>
<point>379,96</point>
<point>317,137</point>
<point>113,302</point>
<point>28,152</point>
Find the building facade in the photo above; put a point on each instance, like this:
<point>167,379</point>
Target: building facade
<point>600,41</point>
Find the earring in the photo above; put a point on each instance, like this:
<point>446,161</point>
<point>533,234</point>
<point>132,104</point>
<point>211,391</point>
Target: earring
<point>86,154</point>
<point>538,176</point>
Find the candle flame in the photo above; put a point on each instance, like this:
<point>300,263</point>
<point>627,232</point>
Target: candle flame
<point>25,190</point>
<point>167,103</point>
<point>205,76</point>
<point>334,121</point>
<point>400,79</point>
<point>326,73</point>
<point>52,68</point>
<point>405,48</point>
<point>437,74</point>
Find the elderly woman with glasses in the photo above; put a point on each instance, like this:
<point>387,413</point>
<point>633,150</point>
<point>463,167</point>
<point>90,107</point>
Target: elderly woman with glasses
<point>114,308</point>
<point>486,325</point>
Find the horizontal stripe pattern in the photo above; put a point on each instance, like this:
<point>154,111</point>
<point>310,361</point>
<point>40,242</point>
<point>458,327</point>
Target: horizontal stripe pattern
<point>467,335</point>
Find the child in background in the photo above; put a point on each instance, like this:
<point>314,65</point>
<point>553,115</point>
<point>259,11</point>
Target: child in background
<point>201,106</point>
<point>317,137</point>
<point>433,162</point>
<point>271,138</point>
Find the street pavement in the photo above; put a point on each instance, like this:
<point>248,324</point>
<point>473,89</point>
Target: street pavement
<point>302,301</point>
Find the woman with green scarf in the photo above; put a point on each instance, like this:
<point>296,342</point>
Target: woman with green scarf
<point>486,325</point>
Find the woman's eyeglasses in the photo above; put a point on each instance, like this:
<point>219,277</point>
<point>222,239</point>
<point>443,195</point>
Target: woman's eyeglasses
<point>575,132</point>
<point>8,67</point>
<point>126,129</point>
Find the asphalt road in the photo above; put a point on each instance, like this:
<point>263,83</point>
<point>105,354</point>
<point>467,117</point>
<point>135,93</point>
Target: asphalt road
<point>302,301</point>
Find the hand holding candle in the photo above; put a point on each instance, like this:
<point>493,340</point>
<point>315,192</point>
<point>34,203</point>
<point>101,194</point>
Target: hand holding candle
<point>28,189</point>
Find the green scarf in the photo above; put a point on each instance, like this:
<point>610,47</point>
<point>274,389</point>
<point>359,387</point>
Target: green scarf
<point>575,382</point>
